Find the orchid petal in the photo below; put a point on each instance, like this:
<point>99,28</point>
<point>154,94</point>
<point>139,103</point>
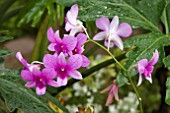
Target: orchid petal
<point>74,10</point>
<point>50,61</point>
<point>75,30</point>
<point>103,23</point>
<point>30,84</point>
<point>70,42</point>
<point>155,58</point>
<point>110,98</point>
<point>52,83</point>
<point>107,44</point>
<point>75,74</point>
<point>71,18</point>
<point>51,47</point>
<point>27,75</point>
<point>124,30</point>
<point>49,73</point>
<point>100,36</point>
<point>75,61</point>
<point>62,82</point>
<point>68,26</point>
<point>21,59</point>
<point>61,60</point>
<point>81,39</point>
<point>114,24</point>
<point>149,78</point>
<point>116,93</point>
<point>141,65</point>
<point>86,61</point>
<point>41,91</point>
<point>36,72</point>
<point>140,79</point>
<point>53,37</point>
<point>106,89</point>
<point>117,41</point>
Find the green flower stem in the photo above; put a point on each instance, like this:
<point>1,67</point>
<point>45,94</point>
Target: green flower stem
<point>108,53</point>
<point>130,79</point>
<point>136,91</point>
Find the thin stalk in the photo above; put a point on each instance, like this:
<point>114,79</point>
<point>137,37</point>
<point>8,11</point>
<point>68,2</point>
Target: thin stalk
<point>130,79</point>
<point>137,93</point>
<point>109,54</point>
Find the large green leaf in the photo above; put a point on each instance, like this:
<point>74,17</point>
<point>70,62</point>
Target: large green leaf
<point>145,45</point>
<point>166,62</point>
<point>143,13</point>
<point>166,16</point>
<point>4,38</point>
<point>34,10</point>
<point>167,98</point>
<point>17,96</point>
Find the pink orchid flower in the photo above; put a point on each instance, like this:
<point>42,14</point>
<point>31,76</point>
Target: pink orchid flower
<point>111,32</point>
<point>25,64</point>
<point>81,39</point>
<point>65,45</point>
<point>146,68</point>
<point>39,79</point>
<point>72,24</point>
<point>113,91</point>
<point>64,68</point>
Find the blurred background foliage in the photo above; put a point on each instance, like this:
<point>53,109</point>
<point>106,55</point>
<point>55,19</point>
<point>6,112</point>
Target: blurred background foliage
<point>20,18</point>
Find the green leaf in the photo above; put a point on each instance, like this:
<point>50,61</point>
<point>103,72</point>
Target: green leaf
<point>145,46</point>
<point>167,98</point>
<point>143,13</point>
<point>2,111</point>
<point>4,52</point>
<point>166,62</point>
<point>33,11</point>
<point>121,78</point>
<point>17,96</point>
<point>166,17</point>
<point>5,38</point>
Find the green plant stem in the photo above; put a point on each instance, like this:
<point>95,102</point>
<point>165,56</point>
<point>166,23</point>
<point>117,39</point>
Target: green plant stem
<point>130,79</point>
<point>108,53</point>
<point>136,91</point>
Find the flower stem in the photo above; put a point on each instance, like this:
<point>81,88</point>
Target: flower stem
<point>130,79</point>
<point>136,91</point>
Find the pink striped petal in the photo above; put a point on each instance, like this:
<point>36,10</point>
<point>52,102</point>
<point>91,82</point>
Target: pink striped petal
<point>30,84</point>
<point>61,60</point>
<point>86,61</point>
<point>50,61</point>
<point>27,75</point>
<point>75,74</point>
<point>49,73</point>
<point>155,58</point>
<point>62,82</point>
<point>75,61</point>
<point>106,89</point>
<point>52,83</point>
<point>51,47</point>
<point>41,91</point>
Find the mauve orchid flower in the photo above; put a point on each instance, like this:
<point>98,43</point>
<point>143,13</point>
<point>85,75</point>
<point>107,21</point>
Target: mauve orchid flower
<point>113,92</point>
<point>81,39</point>
<point>65,45</point>
<point>72,24</point>
<point>39,79</point>
<point>146,68</point>
<point>111,32</point>
<point>25,64</point>
<point>64,68</point>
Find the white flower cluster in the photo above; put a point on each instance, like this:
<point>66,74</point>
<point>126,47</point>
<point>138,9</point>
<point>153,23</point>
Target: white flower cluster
<point>128,104</point>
